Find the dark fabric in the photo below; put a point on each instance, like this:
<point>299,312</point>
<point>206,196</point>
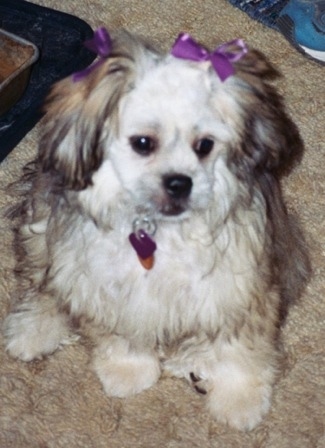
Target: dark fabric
<point>59,37</point>
<point>265,11</point>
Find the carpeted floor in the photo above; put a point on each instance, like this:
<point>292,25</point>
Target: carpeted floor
<point>58,402</point>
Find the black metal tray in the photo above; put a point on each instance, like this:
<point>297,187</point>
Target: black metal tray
<point>59,38</point>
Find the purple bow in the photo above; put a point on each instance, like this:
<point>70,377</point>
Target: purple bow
<point>101,44</point>
<point>185,47</point>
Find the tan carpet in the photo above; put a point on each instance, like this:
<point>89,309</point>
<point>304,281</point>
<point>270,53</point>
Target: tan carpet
<point>58,402</point>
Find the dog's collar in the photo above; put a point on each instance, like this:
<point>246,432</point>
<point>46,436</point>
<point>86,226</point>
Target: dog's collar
<point>141,241</point>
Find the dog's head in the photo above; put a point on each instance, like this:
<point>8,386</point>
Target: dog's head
<point>160,132</point>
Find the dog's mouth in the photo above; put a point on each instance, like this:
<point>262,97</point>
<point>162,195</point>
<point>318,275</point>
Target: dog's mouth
<point>164,209</point>
<point>172,199</point>
<point>173,209</point>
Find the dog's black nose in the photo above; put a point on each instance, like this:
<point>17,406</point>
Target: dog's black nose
<point>178,186</point>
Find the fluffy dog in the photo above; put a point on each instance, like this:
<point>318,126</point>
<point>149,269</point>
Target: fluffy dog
<point>159,150</point>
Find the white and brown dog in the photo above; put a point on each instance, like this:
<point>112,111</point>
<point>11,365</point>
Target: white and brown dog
<point>154,220</point>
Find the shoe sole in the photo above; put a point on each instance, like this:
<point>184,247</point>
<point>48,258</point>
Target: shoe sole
<point>318,55</point>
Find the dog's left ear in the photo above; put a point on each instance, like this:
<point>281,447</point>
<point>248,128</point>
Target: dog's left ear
<point>71,147</point>
<point>270,141</point>
<point>81,115</point>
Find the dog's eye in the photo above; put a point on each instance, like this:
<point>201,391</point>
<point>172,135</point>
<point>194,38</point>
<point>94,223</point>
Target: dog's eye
<point>143,145</point>
<point>203,147</point>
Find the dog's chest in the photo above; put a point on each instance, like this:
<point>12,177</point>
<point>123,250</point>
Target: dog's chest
<point>195,280</point>
<point>100,274</point>
<point>112,260</point>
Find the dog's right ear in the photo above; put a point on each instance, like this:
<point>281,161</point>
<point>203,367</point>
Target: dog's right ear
<point>80,116</point>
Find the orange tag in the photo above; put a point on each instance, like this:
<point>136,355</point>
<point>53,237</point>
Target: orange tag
<point>147,263</point>
<point>144,246</point>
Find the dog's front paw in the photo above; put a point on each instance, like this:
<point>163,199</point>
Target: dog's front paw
<point>123,371</point>
<point>237,398</point>
<point>32,333</point>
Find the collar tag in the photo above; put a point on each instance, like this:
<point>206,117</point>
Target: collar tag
<point>142,242</point>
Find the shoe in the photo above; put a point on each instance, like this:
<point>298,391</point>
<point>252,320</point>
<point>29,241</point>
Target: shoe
<point>302,22</point>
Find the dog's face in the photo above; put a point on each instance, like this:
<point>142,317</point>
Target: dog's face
<point>168,139</point>
<point>163,136</point>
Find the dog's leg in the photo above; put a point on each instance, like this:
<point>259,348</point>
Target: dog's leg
<point>236,381</point>
<point>239,386</point>
<point>36,328</point>
<point>122,369</point>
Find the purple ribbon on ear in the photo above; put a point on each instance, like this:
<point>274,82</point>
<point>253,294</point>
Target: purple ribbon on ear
<point>101,44</point>
<point>185,47</point>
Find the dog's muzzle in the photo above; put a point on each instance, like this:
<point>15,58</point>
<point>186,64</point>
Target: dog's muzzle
<point>178,188</point>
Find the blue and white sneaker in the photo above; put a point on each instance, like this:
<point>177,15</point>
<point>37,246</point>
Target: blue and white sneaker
<point>302,22</point>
